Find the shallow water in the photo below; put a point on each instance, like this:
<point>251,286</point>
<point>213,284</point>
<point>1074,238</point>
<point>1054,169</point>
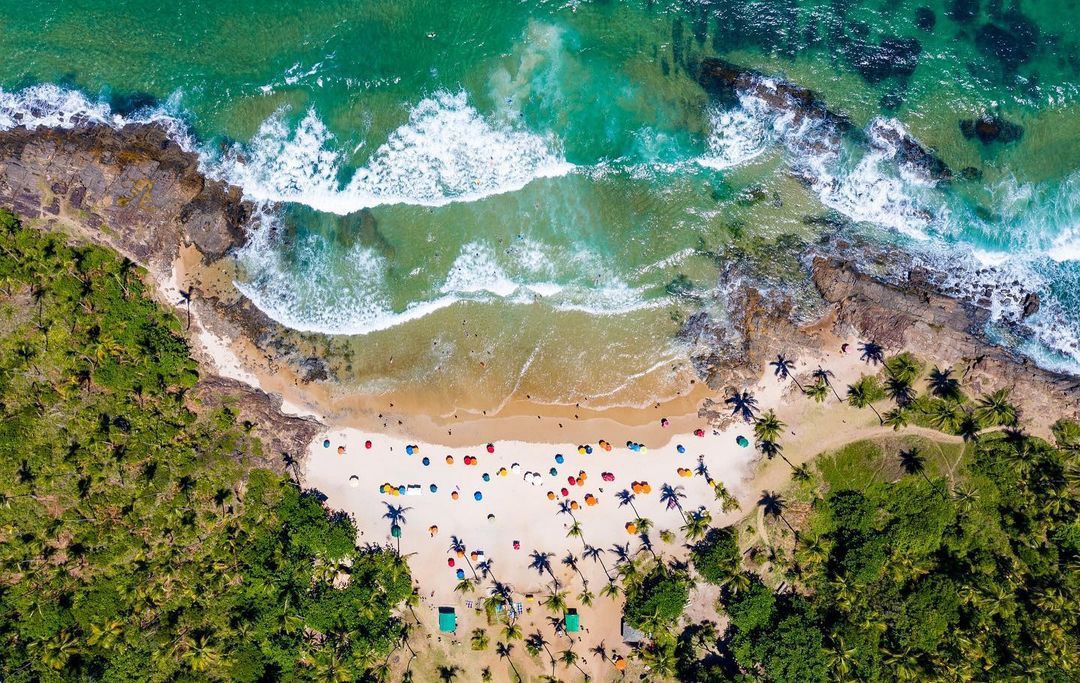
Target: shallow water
<point>494,197</point>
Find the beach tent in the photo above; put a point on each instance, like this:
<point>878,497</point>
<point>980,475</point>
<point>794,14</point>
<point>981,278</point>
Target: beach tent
<point>447,620</point>
<point>573,622</point>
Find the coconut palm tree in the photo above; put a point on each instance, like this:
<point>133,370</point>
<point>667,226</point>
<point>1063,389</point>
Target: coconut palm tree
<point>825,377</point>
<point>504,650</point>
<point>896,418</point>
<point>556,602</point>
<point>479,639</point>
<point>571,561</point>
<point>995,409</point>
<point>597,555</point>
<point>185,298</point>
<point>768,426</point>
<point>626,497</point>
<point>863,393</point>
<point>771,449</point>
<point>969,427</point>
<point>900,391</point>
<point>697,524</point>
<point>903,367</point>
<point>773,504</point>
<point>801,473</point>
<point>944,415</point>
<point>743,404</point>
<point>871,352</point>
<point>396,515</point>
<point>536,642</point>
<point>782,368</point>
<point>817,391</point>
<point>728,502</point>
<point>672,496</point>
<point>611,590</point>
<point>942,384</point>
<point>570,658</point>
<point>511,631</point>
<point>457,546</point>
<point>541,562</point>
<point>912,461</point>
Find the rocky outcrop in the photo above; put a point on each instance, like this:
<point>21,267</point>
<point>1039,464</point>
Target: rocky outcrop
<point>988,129</point>
<point>134,189</point>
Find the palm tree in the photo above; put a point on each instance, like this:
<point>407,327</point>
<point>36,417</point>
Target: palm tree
<point>773,504</point>
<point>743,404</point>
<point>447,674</point>
<point>697,524</point>
<point>571,561</point>
<point>768,426</point>
<point>896,418</point>
<point>903,367</point>
<point>396,515</point>
<point>625,497</point>
<point>511,631</point>
<point>801,473</point>
<point>596,555</point>
<point>945,415</point>
<point>672,497</point>
<point>943,385</point>
<point>771,449</point>
<point>504,650</point>
<point>457,546</point>
<point>900,390</point>
<point>185,298</point>
<point>570,658</point>
<point>913,463</point>
<point>534,643</point>
<point>995,409</point>
<point>728,502</point>
<point>556,602</point>
<point>611,590</point>
<point>817,391</point>
<point>825,377</point>
<point>782,369</point>
<point>871,352</point>
<point>480,640</point>
<point>969,427</point>
<point>863,393</point>
<point>541,562</point>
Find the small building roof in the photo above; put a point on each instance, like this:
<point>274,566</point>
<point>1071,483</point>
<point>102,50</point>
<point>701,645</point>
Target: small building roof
<point>447,620</point>
<point>630,635</point>
<point>573,621</point>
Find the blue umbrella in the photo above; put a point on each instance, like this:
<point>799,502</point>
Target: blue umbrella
<point>553,471</point>
<point>426,461</point>
<point>409,449</point>
<point>326,443</point>
<point>478,496</point>
<point>742,441</point>
<point>433,488</point>
<point>680,448</point>
<point>559,459</point>
<point>487,477</point>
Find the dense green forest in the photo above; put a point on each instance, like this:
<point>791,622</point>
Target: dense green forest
<point>137,542</point>
<point>904,560</point>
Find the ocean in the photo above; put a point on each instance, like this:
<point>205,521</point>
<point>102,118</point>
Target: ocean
<point>530,198</point>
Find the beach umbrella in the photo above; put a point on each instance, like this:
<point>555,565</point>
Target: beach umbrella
<point>453,495</point>
<point>491,517</point>
<point>354,481</point>
<point>367,444</point>
<point>680,448</point>
<point>426,461</point>
<point>631,528</point>
<point>460,573</point>
<point>551,495</point>
<point>491,448</point>
<point>450,562</point>
<point>619,663</point>
<point>581,450</point>
<point>629,444</point>
<point>467,460</point>
<point>553,472</point>
<point>473,556</point>
<point>742,441</point>
<point>636,487</point>
<point>517,545</point>
<point>574,505</point>
<point>588,450</point>
<point>477,495</point>
<point>699,432</point>
<point>643,448</point>
<point>449,460</point>
<point>433,488</point>
<point>401,489</point>
<point>502,471</point>
<point>664,422</point>
<point>645,488</point>
<point>409,449</point>
<point>559,458</point>
<point>341,450</point>
<point>487,477</point>
<point>433,529</point>
<point>515,467</point>
<point>571,480</point>
<point>564,492</point>
<point>326,443</point>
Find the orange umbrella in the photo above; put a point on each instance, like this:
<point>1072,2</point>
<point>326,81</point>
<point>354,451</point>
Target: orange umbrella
<point>631,528</point>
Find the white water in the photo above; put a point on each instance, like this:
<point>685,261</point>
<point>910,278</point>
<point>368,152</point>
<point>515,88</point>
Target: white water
<point>446,152</point>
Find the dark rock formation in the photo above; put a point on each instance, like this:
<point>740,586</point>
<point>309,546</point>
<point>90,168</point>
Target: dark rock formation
<point>925,19</point>
<point>991,128</point>
<point>892,57</point>
<point>963,11</point>
<point>134,188</point>
<point>1013,44</point>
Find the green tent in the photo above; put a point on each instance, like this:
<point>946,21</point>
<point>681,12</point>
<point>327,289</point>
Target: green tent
<point>447,620</point>
<point>573,623</point>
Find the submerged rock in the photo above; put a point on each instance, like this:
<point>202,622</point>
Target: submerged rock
<point>991,128</point>
<point>925,19</point>
<point>1013,44</point>
<point>892,57</point>
<point>963,11</point>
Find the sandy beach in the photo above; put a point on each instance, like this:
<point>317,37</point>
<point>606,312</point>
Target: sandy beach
<point>518,511</point>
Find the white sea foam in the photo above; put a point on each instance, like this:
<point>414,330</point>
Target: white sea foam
<point>50,106</point>
<point>446,152</point>
<point>736,137</point>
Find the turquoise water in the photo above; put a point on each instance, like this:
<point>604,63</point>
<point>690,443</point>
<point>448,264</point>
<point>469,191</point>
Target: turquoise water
<point>542,187</point>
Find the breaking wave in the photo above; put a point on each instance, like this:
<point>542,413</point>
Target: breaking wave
<point>446,152</point>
